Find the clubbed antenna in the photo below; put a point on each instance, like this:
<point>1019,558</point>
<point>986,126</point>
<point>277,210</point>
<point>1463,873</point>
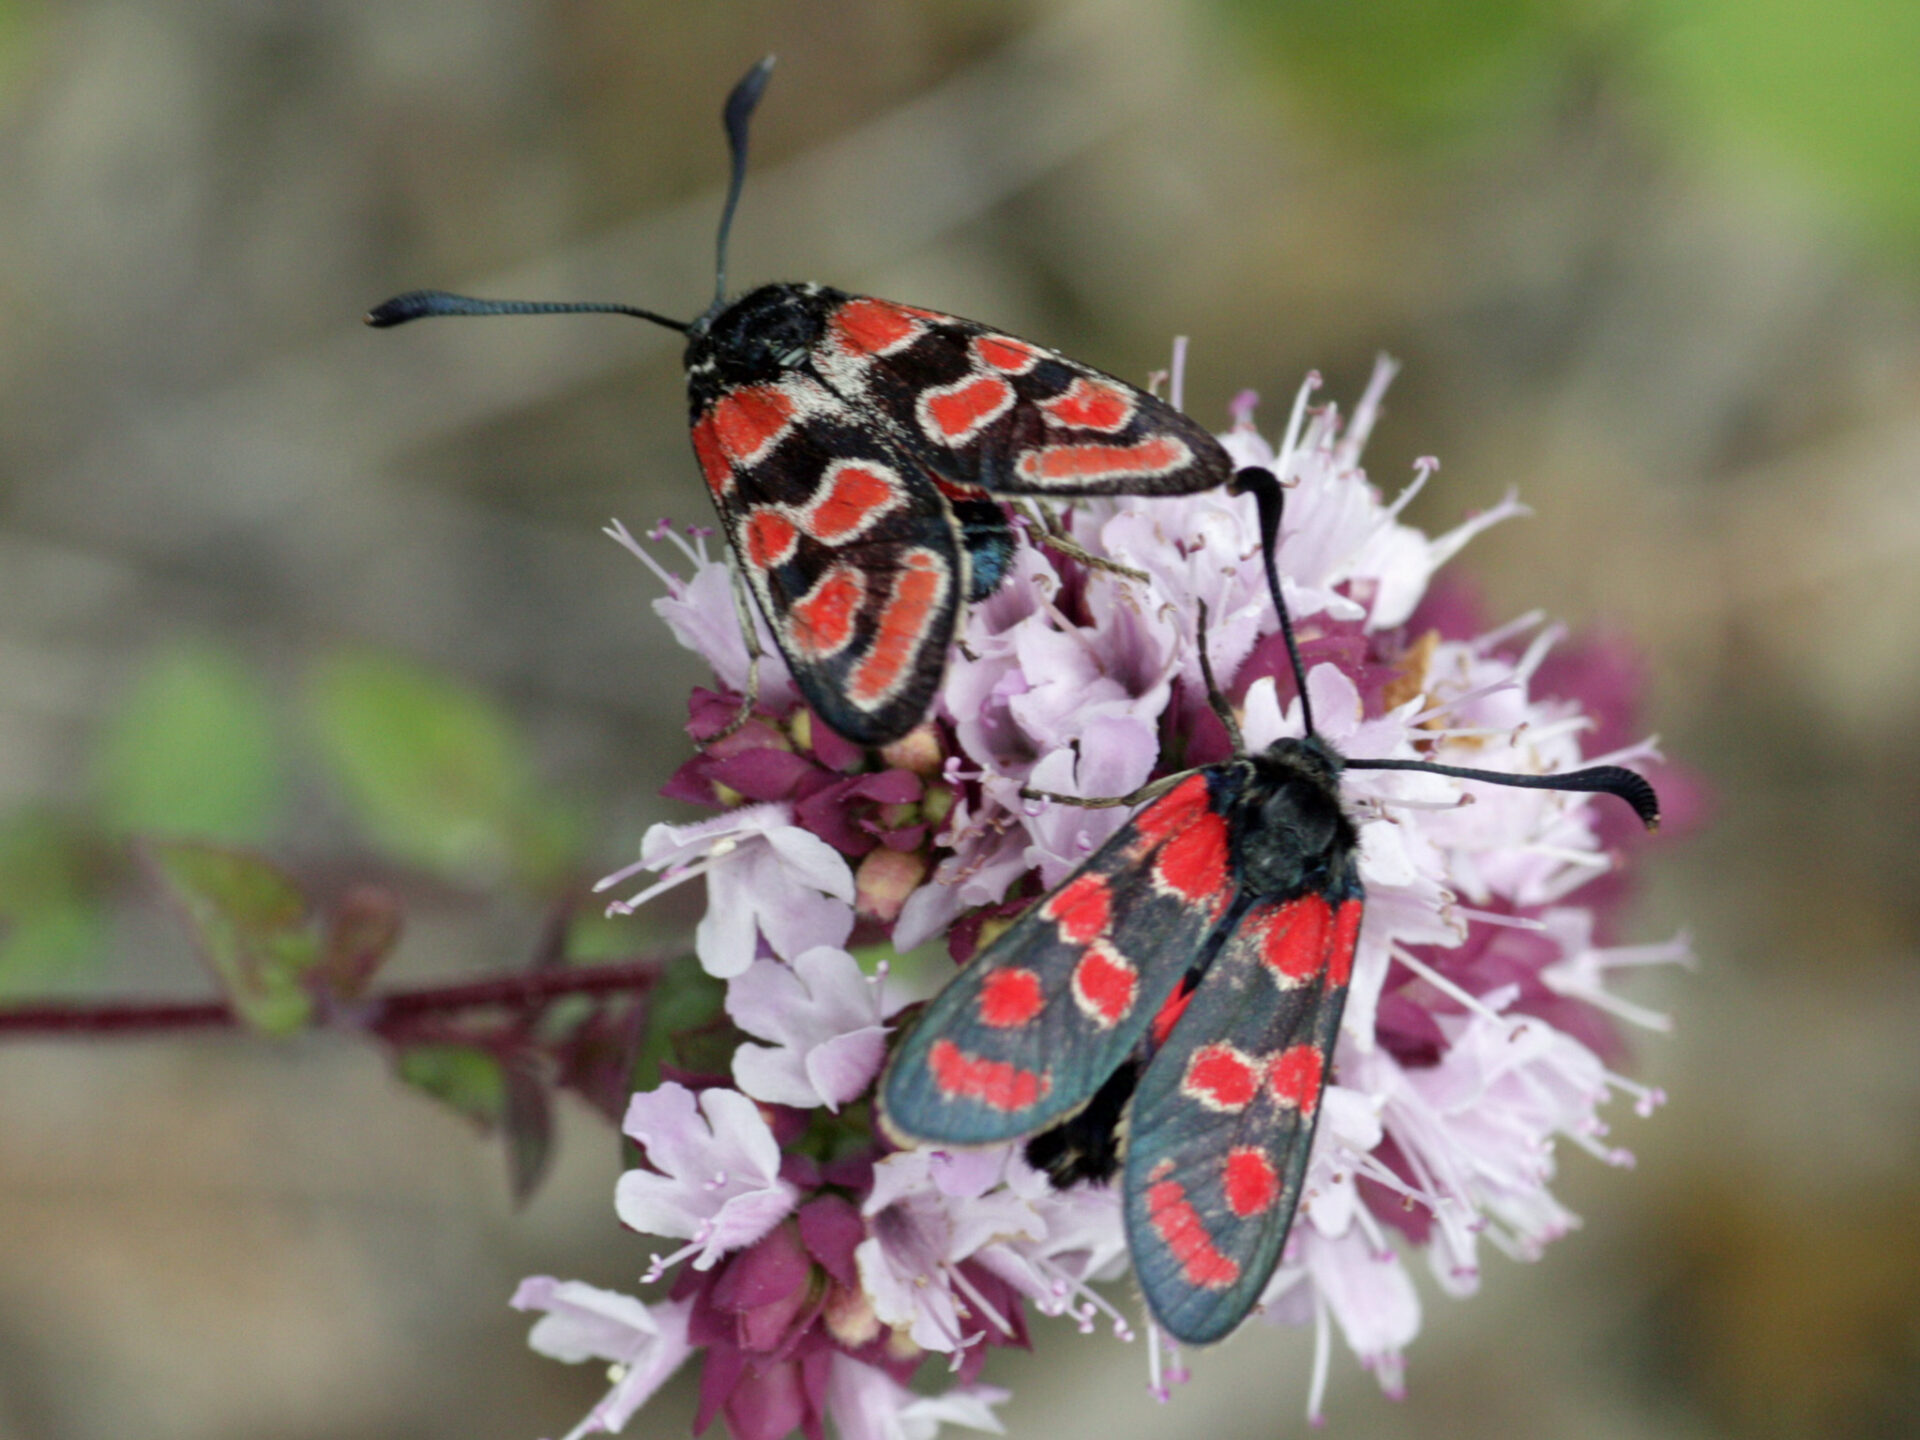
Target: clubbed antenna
<point>741,101</point>
<point>1267,494</point>
<point>429,304</point>
<point>1615,780</point>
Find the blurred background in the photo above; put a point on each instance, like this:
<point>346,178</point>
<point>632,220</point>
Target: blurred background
<point>270,578</point>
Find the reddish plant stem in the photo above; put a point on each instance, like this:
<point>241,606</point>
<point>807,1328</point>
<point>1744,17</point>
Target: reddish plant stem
<point>152,1017</point>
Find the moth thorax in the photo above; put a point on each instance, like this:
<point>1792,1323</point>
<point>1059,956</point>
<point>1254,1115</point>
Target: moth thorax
<point>763,334</point>
<point>1294,834</point>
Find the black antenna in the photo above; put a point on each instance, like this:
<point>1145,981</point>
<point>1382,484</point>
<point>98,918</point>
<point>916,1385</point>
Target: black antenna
<point>741,101</point>
<point>1615,780</point>
<point>431,304</point>
<point>1267,494</point>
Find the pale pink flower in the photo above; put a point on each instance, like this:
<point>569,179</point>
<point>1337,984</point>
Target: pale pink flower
<point>715,1180</point>
<point>1081,1240</point>
<point>825,1018</point>
<point>869,1404</point>
<point>766,878</point>
<point>703,617</point>
<point>644,1344</point>
<point>919,1235</point>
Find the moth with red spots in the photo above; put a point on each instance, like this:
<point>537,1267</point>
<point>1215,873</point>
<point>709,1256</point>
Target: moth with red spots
<point>1170,1010</point>
<point>855,448</point>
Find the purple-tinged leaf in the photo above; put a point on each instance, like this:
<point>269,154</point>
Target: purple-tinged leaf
<point>361,932</point>
<point>253,924</point>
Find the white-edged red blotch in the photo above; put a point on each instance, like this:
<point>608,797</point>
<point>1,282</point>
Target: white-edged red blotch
<point>1170,1010</point>
<point>853,447</point>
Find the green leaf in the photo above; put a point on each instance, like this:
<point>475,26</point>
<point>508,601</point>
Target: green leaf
<point>437,774</point>
<point>1827,90</point>
<point>528,1122</point>
<point>191,750</point>
<point>1412,70</point>
<point>51,872</point>
<point>686,999</point>
<point>253,926</point>
<point>466,1077</point>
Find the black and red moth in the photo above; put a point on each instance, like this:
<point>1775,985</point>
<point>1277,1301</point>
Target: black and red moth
<point>1171,1008</point>
<point>853,447</point>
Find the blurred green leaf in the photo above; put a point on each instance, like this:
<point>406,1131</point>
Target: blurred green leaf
<point>466,1077</point>
<point>528,1121</point>
<point>1833,90</point>
<point>50,921</point>
<point>253,925</point>
<point>1413,70</point>
<point>437,774</point>
<point>592,934</point>
<point>1825,91</point>
<point>191,750</point>
<point>686,999</point>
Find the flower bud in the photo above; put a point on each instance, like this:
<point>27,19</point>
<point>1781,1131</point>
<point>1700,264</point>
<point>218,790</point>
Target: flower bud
<point>918,750</point>
<point>884,881</point>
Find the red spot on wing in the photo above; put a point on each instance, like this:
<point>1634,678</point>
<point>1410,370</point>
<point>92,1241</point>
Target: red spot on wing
<point>1296,1078</point>
<point>771,538</point>
<point>1293,940</point>
<point>1221,1077</point>
<point>1006,354</point>
<point>1170,1014</point>
<point>856,495</point>
<point>1010,998</point>
<point>1175,810</point>
<point>1184,1233</point>
<point>1083,906</point>
<point>994,1083</point>
<point>1346,936</point>
<point>918,587</point>
<point>748,421</point>
<point>1193,863</point>
<point>820,623</point>
<point>1251,1183</point>
<point>1105,985</point>
<point>874,327</point>
<point>1058,463</point>
<point>960,411</point>
<point>1090,405</point>
<point>713,460</point>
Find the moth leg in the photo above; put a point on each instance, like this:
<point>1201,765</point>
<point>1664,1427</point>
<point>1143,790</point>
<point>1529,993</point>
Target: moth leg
<point>743,610</point>
<point>1214,697</point>
<point>1048,531</point>
<point>1141,796</point>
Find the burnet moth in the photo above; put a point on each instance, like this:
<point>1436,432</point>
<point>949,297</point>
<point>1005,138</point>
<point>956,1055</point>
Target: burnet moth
<point>854,448</point>
<point>1170,1010</point>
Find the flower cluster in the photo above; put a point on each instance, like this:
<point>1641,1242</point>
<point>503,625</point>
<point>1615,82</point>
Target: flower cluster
<point>814,1267</point>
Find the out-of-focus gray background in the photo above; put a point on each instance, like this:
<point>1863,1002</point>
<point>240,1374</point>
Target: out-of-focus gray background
<point>1651,261</point>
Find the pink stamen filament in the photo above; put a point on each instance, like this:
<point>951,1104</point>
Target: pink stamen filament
<point>1290,442</point>
<point>980,1303</point>
<point>1322,1356</point>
